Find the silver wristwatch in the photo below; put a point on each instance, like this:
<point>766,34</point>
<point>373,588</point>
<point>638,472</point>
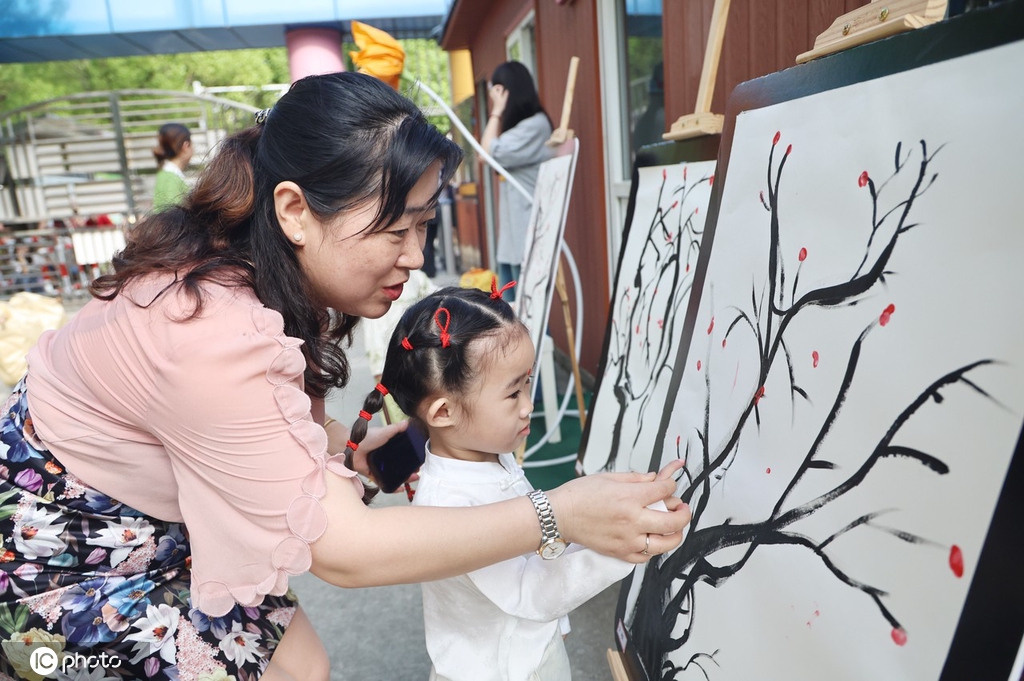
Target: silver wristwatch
<point>551,543</point>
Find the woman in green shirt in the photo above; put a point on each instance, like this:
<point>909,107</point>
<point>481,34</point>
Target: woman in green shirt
<point>172,152</point>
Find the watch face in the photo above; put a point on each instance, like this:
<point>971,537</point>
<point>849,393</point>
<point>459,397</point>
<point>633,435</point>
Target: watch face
<point>552,549</point>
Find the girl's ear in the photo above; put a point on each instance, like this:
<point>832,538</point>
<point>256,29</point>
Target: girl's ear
<point>440,413</point>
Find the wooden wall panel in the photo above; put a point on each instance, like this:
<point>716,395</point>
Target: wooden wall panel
<point>488,44</point>
<point>564,31</point>
<point>761,37</point>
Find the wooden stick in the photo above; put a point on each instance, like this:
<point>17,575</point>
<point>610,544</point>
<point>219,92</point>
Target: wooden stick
<point>702,121</point>
<point>615,663</point>
<point>563,133</point>
<point>521,453</point>
<point>571,338</point>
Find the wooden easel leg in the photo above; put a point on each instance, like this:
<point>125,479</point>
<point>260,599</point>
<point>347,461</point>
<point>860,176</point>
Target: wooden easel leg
<point>570,334</point>
<point>616,665</point>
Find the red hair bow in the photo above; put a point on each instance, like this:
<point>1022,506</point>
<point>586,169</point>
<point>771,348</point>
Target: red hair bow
<point>495,291</point>
<point>445,338</point>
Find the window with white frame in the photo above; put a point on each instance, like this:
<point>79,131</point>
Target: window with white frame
<point>520,45</point>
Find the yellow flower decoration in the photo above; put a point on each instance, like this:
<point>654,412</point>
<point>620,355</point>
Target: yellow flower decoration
<point>219,675</point>
<point>379,54</point>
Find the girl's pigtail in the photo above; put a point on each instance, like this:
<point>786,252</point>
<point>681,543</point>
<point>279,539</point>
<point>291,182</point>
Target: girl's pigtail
<point>373,403</point>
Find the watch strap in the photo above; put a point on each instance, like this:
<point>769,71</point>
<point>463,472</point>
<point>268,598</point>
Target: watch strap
<point>545,515</point>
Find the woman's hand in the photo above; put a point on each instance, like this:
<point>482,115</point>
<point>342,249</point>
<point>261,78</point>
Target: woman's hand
<point>498,97</point>
<point>608,512</point>
<point>338,435</point>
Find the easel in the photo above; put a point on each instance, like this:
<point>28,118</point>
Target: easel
<point>560,136</point>
<point>869,23</point>
<point>874,21</point>
<point>702,121</point>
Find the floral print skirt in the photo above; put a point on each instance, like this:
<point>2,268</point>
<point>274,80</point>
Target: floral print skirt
<point>104,586</point>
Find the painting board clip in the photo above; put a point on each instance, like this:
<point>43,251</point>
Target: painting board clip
<point>702,121</point>
<point>563,133</point>
<point>876,20</point>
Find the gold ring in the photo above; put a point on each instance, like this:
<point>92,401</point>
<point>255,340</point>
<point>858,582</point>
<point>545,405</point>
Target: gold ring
<point>647,545</point>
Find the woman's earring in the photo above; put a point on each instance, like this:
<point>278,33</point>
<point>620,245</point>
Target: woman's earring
<point>297,236</point>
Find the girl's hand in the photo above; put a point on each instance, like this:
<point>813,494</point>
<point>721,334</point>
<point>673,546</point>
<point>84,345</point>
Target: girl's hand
<point>498,97</point>
<point>608,512</point>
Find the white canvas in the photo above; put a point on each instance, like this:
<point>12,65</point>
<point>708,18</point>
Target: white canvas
<point>659,257</point>
<point>825,561</point>
<point>536,284</point>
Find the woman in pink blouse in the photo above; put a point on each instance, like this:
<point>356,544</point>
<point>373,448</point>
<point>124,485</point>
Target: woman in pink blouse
<point>167,467</point>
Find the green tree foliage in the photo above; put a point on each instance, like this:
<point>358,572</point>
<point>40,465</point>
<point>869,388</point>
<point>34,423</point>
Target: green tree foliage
<point>22,84</point>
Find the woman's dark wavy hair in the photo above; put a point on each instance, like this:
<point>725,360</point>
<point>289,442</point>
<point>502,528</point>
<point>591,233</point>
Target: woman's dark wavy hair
<point>523,100</point>
<point>419,365</point>
<point>345,139</point>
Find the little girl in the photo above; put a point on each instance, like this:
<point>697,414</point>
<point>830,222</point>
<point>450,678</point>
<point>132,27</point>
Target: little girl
<point>459,363</point>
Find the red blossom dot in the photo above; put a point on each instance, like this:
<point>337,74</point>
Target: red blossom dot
<point>678,438</point>
<point>675,204</point>
<point>698,365</point>
<point>863,179</point>
<point>778,136</point>
<point>638,328</point>
<point>759,394</point>
<point>664,173</point>
<point>803,254</point>
<point>956,560</point>
<point>761,194</point>
<point>899,637</point>
<point>789,149</point>
<point>723,342</point>
<point>814,359</point>
<point>661,323</point>
<point>687,267</point>
<point>684,173</point>
<point>711,180</point>
<point>696,210</point>
<point>768,471</point>
<point>883,319</point>
<point>711,326</point>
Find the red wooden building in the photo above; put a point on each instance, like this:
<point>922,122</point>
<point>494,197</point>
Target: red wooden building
<point>635,57</point>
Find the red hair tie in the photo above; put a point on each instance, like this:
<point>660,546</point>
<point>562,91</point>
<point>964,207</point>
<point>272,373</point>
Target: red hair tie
<point>365,415</point>
<point>352,445</point>
<point>445,338</point>
<point>495,291</point>
<point>381,389</point>
<point>406,344</point>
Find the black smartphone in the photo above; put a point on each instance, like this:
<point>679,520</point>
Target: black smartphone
<point>392,463</point>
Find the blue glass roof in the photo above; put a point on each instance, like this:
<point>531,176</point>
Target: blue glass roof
<point>48,30</point>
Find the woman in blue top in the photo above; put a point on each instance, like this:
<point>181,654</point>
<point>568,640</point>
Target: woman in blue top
<point>516,131</point>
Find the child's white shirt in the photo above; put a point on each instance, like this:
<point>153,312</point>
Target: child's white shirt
<point>501,623</point>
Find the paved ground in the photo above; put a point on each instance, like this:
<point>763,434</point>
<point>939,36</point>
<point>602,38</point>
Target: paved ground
<point>377,634</point>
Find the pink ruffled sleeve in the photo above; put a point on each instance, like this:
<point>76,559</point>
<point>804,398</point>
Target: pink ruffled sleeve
<point>248,459</point>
